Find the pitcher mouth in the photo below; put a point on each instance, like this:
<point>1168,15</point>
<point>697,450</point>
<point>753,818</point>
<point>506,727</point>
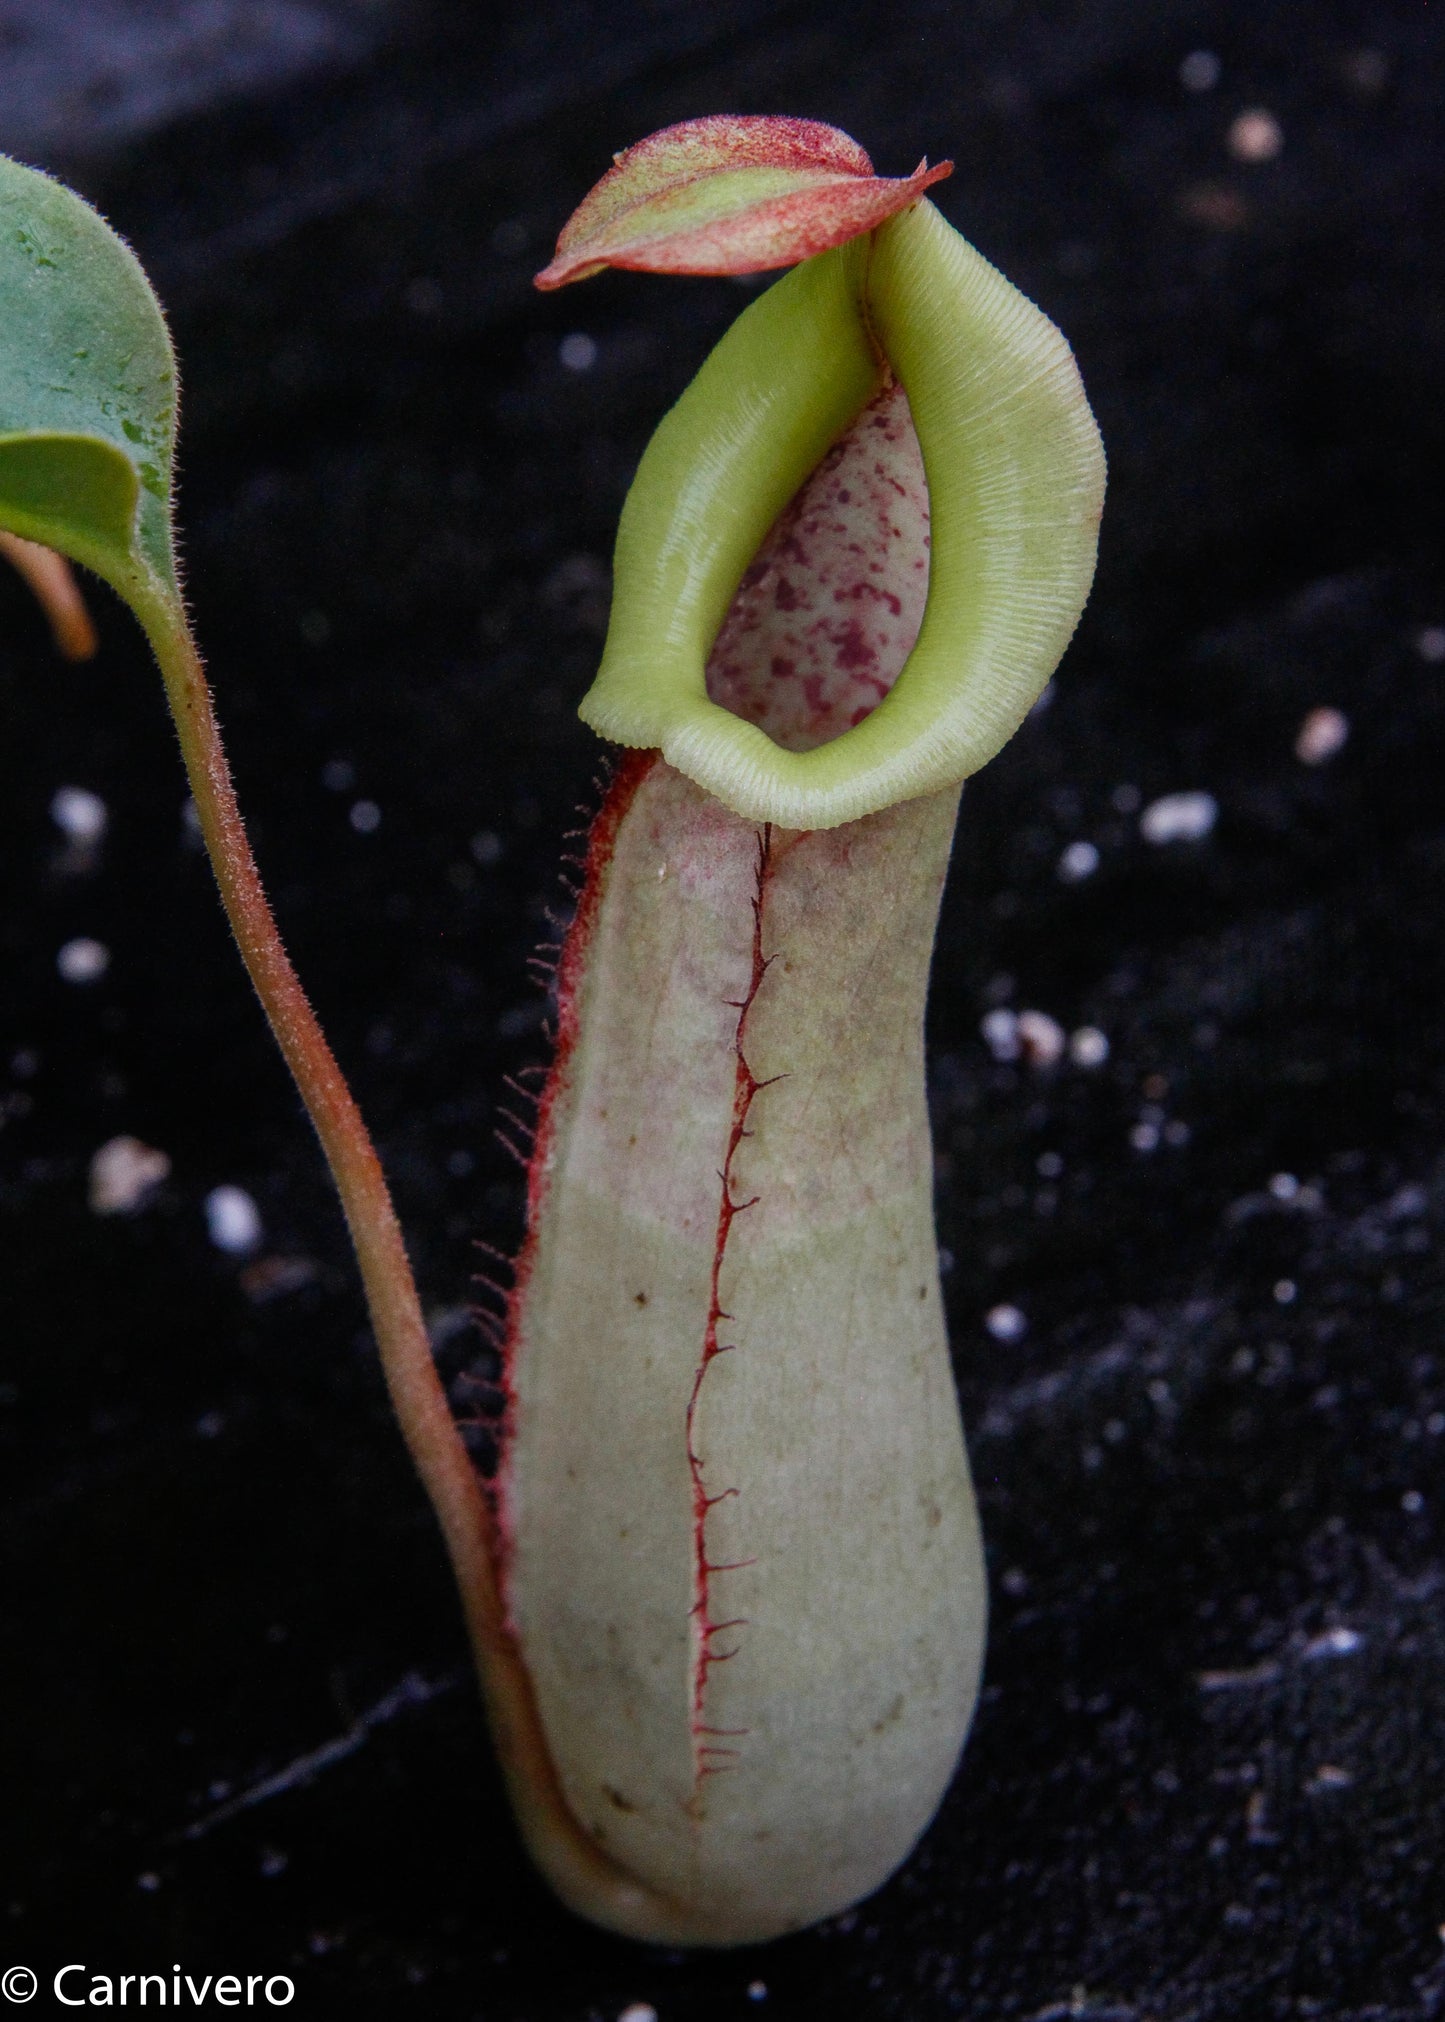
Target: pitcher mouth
<point>1014,471</point>
<point>831,605</point>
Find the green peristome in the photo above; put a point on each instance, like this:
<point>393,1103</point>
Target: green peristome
<point>87,389</point>
<point>1015,475</point>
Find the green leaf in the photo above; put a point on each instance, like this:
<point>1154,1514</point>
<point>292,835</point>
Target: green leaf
<point>87,387</point>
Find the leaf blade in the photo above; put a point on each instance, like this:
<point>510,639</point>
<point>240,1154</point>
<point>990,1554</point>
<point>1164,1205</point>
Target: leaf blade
<point>75,493</point>
<point>87,385</point>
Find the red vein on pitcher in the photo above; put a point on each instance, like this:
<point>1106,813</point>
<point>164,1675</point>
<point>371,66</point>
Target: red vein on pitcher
<point>712,1755</point>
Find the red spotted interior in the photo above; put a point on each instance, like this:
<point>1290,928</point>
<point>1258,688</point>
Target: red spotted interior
<point>831,605</point>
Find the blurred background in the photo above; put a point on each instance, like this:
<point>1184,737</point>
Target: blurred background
<point>1186,1052</point>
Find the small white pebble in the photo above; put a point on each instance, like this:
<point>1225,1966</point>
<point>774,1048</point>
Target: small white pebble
<point>233,1219</point>
<point>1286,1291</point>
<point>1000,1031</point>
<point>1088,1047</point>
<point>1430,644</point>
<point>757,1990</point>
<point>1321,735</point>
<point>1049,1164</point>
<point>1200,70</point>
<point>1330,1776</point>
<point>638,2011</point>
<point>578,353</point>
<point>1040,1038</point>
<point>149,1882</point>
<point>1412,1502</point>
<point>79,814</point>
<point>486,847</point>
<point>1336,1642</point>
<point>1079,861</point>
<point>1407,1200</point>
<point>1005,1323</point>
<point>1284,1186</point>
<point>1256,136</point>
<point>365,817</point>
<point>1144,1136</point>
<point>83,960</point>
<point>124,1174</point>
<point>1179,817</point>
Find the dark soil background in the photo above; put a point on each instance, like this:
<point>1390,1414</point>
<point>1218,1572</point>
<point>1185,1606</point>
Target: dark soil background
<point>1206,1776</point>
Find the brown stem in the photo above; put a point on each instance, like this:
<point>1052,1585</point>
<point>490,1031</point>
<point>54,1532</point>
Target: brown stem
<point>57,593</point>
<point>575,1864</point>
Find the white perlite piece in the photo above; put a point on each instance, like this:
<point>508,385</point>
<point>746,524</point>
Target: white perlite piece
<point>1256,136</point>
<point>577,353</point>
<point>83,960</point>
<point>1088,1047</point>
<point>1200,70</point>
<point>1335,1642</point>
<point>1000,1030</point>
<point>1005,1323</point>
<point>1079,861</point>
<point>1041,1038</point>
<point>1179,817</point>
<point>124,1174</point>
<point>233,1219</point>
<point>1321,735</point>
<point>79,814</point>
